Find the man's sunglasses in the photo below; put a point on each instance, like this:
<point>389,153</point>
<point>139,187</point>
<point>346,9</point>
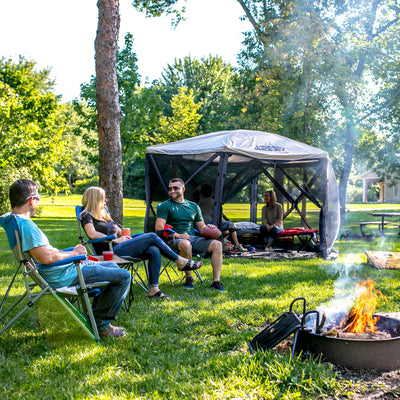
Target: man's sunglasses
<point>35,197</point>
<point>170,188</point>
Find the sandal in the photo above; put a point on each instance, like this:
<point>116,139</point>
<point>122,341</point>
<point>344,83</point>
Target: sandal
<point>191,265</point>
<point>159,295</point>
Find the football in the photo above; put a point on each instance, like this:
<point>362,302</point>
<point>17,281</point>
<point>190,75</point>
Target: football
<point>210,233</point>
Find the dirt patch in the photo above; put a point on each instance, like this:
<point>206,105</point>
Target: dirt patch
<point>369,384</point>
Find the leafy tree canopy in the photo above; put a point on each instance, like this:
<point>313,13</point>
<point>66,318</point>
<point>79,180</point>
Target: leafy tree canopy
<point>213,83</point>
<point>31,138</point>
<point>184,120</point>
<point>155,8</point>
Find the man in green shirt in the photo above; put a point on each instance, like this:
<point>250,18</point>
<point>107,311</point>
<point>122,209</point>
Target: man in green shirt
<point>184,216</point>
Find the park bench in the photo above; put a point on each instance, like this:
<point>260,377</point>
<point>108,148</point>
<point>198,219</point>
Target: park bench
<point>378,223</point>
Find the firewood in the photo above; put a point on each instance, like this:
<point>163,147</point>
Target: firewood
<point>364,335</point>
<point>331,333</point>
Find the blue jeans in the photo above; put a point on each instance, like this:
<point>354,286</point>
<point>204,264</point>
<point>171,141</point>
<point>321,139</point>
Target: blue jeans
<point>269,237</point>
<point>107,304</point>
<point>149,247</point>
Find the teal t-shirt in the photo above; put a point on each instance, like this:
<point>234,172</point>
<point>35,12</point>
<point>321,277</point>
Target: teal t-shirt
<point>32,236</point>
<point>181,216</point>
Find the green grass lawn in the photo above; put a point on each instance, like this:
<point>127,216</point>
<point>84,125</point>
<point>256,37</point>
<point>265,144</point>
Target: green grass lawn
<point>194,347</point>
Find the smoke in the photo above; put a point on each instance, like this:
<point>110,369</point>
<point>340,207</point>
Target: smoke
<point>344,293</point>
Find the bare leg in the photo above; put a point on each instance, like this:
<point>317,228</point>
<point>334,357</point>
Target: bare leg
<point>185,250</point>
<point>235,239</point>
<point>215,248</point>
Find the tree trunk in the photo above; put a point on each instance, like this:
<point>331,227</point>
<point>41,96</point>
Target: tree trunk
<point>348,162</point>
<point>108,108</point>
<point>350,112</point>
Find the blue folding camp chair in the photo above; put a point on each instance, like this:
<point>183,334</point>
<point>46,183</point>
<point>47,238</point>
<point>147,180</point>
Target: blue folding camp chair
<point>130,263</point>
<point>36,286</point>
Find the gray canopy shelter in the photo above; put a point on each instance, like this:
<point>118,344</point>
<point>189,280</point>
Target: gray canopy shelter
<point>233,161</point>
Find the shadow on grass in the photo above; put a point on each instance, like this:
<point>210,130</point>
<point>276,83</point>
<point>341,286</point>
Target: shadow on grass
<point>58,326</point>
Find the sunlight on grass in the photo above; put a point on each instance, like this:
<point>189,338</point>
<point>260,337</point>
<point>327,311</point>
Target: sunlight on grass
<point>194,347</point>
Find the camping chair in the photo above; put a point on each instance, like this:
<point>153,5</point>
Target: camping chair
<point>130,263</point>
<point>168,264</point>
<point>36,286</point>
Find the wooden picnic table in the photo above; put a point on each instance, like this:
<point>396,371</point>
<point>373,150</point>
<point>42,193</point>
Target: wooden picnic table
<point>384,215</point>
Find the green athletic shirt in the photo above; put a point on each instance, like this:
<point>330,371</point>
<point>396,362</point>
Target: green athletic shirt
<point>181,216</point>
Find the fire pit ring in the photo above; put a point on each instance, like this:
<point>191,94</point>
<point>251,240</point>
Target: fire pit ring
<point>382,354</point>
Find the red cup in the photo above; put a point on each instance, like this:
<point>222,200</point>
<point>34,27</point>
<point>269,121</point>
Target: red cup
<point>108,255</point>
<point>126,232</point>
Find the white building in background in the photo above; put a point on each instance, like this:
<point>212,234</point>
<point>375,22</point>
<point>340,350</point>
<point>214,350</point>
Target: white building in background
<point>387,194</point>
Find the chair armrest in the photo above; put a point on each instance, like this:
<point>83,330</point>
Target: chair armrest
<point>65,261</point>
<point>102,239</point>
<point>137,234</point>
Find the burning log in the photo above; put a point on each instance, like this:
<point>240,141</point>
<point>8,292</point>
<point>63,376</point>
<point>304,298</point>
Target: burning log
<point>331,333</point>
<point>359,322</point>
<point>361,315</point>
<point>364,335</point>
<point>357,335</point>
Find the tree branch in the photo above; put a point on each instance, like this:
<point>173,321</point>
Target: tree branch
<point>251,18</point>
<point>386,27</point>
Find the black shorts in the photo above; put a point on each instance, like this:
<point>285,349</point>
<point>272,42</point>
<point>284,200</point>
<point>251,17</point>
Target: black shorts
<point>199,245</point>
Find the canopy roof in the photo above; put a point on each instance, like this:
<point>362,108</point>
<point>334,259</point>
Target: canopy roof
<point>255,144</point>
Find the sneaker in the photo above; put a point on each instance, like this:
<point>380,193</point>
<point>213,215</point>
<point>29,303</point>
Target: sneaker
<point>112,331</point>
<point>269,249</point>
<point>188,283</point>
<point>218,286</point>
<point>240,248</point>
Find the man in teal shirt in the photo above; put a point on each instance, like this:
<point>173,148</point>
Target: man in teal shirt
<point>184,216</point>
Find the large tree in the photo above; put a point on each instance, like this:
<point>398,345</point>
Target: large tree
<point>317,61</point>
<point>281,87</point>
<point>108,108</point>
<point>385,106</point>
<point>363,24</point>
<point>107,96</point>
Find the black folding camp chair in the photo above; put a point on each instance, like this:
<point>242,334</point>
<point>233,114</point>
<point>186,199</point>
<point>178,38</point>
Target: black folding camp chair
<point>132,264</point>
<point>36,286</point>
<point>168,267</point>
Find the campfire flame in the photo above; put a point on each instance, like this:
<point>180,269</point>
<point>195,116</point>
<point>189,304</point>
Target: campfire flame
<point>361,318</point>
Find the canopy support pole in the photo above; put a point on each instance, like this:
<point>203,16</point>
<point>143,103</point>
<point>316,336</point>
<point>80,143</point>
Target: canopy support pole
<point>324,213</point>
<point>148,192</point>
<point>253,200</point>
<point>219,188</point>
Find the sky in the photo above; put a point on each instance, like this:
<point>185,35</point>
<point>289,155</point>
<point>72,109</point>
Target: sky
<point>60,35</point>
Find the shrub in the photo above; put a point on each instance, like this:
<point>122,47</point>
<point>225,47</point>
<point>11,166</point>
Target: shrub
<point>81,185</point>
<point>7,177</point>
